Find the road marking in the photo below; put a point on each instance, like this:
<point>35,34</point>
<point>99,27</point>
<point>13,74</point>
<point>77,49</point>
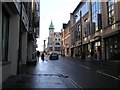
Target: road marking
<point>108,75</point>
<point>84,67</point>
<point>70,80</point>
<point>75,84</point>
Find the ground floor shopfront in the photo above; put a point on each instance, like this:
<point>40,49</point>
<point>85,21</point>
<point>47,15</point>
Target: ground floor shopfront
<point>91,50</point>
<point>112,47</point>
<point>107,48</point>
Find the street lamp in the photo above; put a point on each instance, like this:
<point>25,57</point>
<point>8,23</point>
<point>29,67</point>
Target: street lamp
<point>82,53</point>
<point>61,41</point>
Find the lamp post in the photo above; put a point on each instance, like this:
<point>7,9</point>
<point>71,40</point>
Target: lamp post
<point>82,53</point>
<point>61,41</point>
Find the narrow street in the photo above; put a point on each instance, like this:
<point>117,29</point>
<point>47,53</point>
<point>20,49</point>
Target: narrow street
<point>67,73</point>
<point>59,44</point>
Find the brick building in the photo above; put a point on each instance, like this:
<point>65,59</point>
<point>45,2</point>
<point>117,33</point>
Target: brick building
<point>66,40</point>
<point>95,30</point>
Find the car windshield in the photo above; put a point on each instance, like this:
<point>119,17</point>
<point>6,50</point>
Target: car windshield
<point>54,53</point>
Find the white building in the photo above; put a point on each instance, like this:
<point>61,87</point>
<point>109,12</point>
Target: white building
<point>54,40</point>
<point>19,28</point>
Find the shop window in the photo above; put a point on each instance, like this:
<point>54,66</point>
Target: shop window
<point>112,48</point>
<point>97,44</point>
<point>5,35</point>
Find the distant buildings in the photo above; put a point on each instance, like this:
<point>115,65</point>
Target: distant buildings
<point>19,28</point>
<point>94,30</point>
<point>54,40</point>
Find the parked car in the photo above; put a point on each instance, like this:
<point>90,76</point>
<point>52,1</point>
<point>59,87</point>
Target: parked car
<point>54,56</point>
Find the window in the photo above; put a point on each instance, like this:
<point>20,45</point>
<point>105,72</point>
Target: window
<point>86,27</point>
<point>110,7</point>
<point>57,44</point>
<point>84,10</point>
<point>51,35</point>
<point>59,39</point>
<point>95,12</point>
<point>57,48</point>
<point>50,43</point>
<point>79,31</point>
<point>50,39</point>
<point>5,35</point>
<point>72,35</point>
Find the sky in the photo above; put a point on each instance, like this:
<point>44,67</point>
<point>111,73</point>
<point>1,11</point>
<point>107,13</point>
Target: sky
<point>56,10</point>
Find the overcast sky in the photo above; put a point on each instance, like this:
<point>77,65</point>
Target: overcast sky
<point>56,10</point>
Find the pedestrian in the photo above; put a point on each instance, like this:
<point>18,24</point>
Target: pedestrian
<point>38,55</point>
<point>92,55</point>
<point>83,55</point>
<point>42,56</point>
<point>98,55</point>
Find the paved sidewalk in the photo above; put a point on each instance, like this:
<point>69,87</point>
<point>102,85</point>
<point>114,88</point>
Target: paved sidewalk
<point>42,75</point>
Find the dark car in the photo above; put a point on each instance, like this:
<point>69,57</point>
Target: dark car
<point>54,56</point>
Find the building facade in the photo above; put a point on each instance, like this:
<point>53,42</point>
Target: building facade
<point>110,42</point>
<point>54,40</point>
<point>18,35</point>
<point>95,30</point>
<point>66,40</point>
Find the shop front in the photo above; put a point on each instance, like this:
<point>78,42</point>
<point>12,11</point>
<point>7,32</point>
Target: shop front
<point>96,49</point>
<point>112,48</point>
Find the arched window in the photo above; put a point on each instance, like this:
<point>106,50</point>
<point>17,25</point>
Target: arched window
<point>57,44</point>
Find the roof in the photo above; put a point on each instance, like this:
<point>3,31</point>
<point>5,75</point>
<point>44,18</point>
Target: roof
<point>78,6</point>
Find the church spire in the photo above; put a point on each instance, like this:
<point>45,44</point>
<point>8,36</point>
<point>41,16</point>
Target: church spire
<point>51,26</point>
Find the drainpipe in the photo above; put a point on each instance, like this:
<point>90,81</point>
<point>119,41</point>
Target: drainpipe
<point>19,48</point>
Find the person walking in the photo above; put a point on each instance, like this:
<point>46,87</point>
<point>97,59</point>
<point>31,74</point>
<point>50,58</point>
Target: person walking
<point>42,56</point>
<point>38,55</point>
<point>92,55</point>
